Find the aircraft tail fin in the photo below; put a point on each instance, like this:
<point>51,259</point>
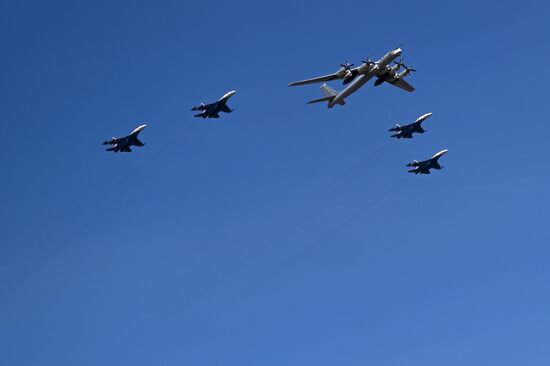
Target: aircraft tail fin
<point>330,94</point>
<point>328,91</point>
<point>396,128</point>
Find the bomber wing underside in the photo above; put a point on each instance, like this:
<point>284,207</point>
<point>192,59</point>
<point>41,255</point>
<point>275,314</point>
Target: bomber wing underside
<point>401,83</point>
<point>319,79</point>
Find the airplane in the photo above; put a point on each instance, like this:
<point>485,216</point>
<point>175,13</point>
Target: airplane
<point>359,76</point>
<point>123,144</point>
<point>212,110</point>
<point>423,167</point>
<point>406,132</point>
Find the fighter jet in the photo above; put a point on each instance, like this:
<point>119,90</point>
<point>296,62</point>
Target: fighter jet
<point>123,144</point>
<point>406,132</point>
<point>212,110</point>
<point>423,167</point>
<point>359,76</point>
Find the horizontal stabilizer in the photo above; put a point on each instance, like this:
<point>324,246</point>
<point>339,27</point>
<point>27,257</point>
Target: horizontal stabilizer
<point>320,100</point>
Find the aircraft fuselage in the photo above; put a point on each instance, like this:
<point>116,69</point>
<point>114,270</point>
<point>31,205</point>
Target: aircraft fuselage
<point>379,68</point>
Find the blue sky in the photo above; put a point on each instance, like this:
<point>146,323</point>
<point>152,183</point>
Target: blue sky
<point>284,233</point>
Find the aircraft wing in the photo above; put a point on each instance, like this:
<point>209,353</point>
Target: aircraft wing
<point>319,79</point>
<point>225,108</point>
<point>401,83</point>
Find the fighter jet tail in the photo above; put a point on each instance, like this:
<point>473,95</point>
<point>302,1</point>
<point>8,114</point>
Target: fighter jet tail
<point>396,128</point>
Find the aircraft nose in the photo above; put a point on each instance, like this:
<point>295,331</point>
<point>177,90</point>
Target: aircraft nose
<point>442,152</point>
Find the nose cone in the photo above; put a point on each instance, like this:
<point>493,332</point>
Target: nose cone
<point>424,116</point>
<point>229,94</point>
<point>139,129</point>
<point>441,153</point>
<point>397,51</point>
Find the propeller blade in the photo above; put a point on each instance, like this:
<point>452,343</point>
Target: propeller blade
<point>347,65</point>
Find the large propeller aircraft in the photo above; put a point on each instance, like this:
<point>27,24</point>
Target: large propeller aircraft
<point>356,77</point>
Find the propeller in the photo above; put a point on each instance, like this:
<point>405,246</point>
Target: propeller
<point>400,63</point>
<point>408,70</point>
<point>347,65</point>
<point>368,61</point>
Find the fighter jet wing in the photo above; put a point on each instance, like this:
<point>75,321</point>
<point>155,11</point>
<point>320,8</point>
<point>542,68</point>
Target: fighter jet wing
<point>401,83</point>
<point>319,79</point>
<point>225,108</point>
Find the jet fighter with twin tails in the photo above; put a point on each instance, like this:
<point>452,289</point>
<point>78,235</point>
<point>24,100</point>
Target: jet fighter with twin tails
<point>122,144</point>
<point>356,77</point>
<point>212,110</point>
<point>423,167</point>
<point>406,132</point>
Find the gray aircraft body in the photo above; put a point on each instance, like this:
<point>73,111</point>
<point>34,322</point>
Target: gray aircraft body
<point>122,144</point>
<point>359,76</point>
<point>212,110</point>
<point>423,167</point>
<point>406,132</point>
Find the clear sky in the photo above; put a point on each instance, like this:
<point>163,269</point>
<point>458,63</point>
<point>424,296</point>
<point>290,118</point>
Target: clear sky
<point>283,233</point>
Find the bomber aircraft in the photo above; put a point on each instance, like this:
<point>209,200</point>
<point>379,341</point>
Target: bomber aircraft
<point>423,167</point>
<point>406,132</point>
<point>359,76</point>
<point>212,110</point>
<point>123,144</point>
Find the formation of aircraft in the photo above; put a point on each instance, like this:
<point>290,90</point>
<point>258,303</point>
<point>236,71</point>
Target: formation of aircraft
<point>122,144</point>
<point>212,110</point>
<point>359,76</point>
<point>406,132</point>
<point>423,167</point>
<point>385,70</point>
